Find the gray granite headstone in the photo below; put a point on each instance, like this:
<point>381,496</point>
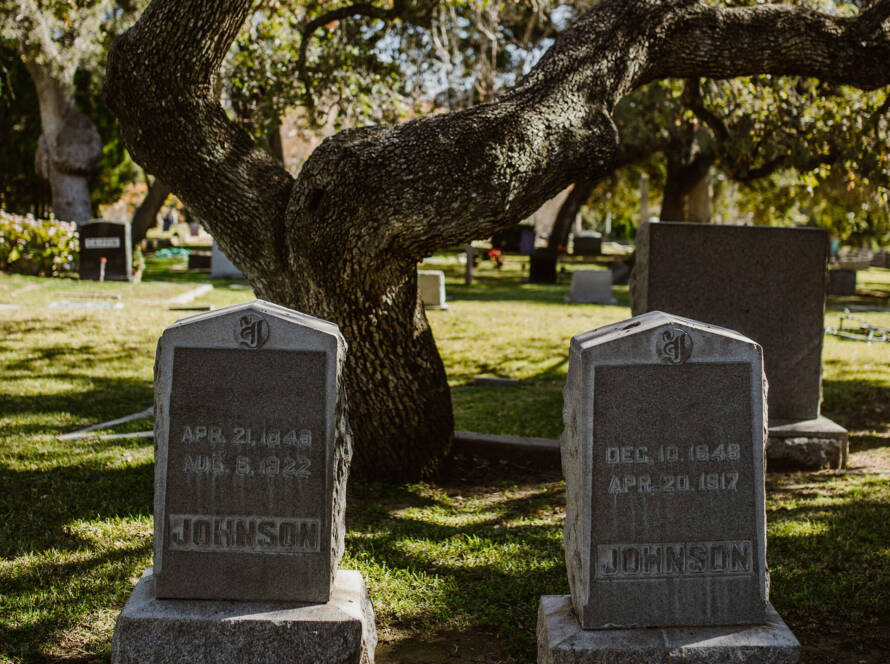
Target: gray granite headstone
<point>220,265</point>
<point>107,241</point>
<point>250,456</point>
<point>663,455</point>
<point>767,283</point>
<point>591,287</point>
<point>431,285</point>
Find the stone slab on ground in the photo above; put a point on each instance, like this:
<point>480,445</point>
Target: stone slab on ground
<point>562,641</point>
<point>153,631</point>
<point>807,444</point>
<point>519,449</point>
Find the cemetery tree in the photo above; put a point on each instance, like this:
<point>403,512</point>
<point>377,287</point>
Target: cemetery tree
<point>342,240</point>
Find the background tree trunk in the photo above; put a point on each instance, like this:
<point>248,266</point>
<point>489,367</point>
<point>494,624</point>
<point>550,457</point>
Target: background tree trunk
<point>70,149</point>
<point>685,185</point>
<point>145,216</point>
<point>559,236</point>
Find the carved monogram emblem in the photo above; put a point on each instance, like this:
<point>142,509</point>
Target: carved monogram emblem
<point>674,346</point>
<point>251,331</point>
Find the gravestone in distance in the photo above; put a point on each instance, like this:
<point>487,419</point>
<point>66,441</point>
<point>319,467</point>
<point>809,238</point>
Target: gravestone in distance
<point>108,240</point>
<point>431,284</point>
<point>251,461</point>
<point>767,283</point>
<point>663,455</point>
<point>841,282</point>
<point>591,287</point>
<point>587,243</point>
<point>220,265</point>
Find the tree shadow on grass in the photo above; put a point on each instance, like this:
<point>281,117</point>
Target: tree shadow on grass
<point>87,587</point>
<point>830,580</point>
<point>99,400</point>
<point>37,505</point>
<point>489,573</point>
<point>857,404</point>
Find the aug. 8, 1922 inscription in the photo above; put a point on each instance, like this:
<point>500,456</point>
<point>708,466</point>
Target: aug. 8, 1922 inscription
<point>244,510</point>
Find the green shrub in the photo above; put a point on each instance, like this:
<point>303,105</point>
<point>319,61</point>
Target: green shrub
<point>44,247</point>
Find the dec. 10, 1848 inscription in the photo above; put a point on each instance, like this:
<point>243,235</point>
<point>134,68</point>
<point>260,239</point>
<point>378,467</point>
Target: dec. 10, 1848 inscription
<point>664,472</point>
<point>245,511</point>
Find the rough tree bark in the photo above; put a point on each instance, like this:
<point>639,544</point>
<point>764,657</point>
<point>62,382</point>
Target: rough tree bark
<point>342,240</point>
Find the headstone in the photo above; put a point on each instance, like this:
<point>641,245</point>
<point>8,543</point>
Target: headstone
<point>542,267</point>
<point>200,260</point>
<point>220,265</point>
<point>591,287</point>
<point>527,240</point>
<point>663,457</point>
<point>244,467</point>
<point>105,251</point>
<point>587,243</point>
<point>251,458</point>
<point>431,284</point>
<point>769,284</point>
<point>841,282</point>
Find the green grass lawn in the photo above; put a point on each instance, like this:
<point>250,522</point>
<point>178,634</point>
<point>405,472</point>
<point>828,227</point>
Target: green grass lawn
<point>455,567</point>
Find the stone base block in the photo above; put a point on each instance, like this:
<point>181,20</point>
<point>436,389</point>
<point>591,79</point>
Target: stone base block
<point>153,631</point>
<point>806,444</point>
<point>562,641</point>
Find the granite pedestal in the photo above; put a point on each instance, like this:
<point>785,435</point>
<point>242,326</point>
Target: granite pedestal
<point>806,444</point>
<point>562,641</point>
<point>166,631</point>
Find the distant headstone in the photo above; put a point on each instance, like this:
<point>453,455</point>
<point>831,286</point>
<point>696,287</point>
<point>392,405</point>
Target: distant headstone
<point>587,243</point>
<point>431,284</point>
<point>663,457</point>
<point>105,251</point>
<point>251,459</point>
<point>841,282</point>
<point>768,283</point>
<point>542,267</point>
<point>220,265</point>
<point>527,240</point>
<point>591,287</point>
<point>200,260</point>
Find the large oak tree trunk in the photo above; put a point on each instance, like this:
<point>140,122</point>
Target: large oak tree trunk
<point>342,240</point>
